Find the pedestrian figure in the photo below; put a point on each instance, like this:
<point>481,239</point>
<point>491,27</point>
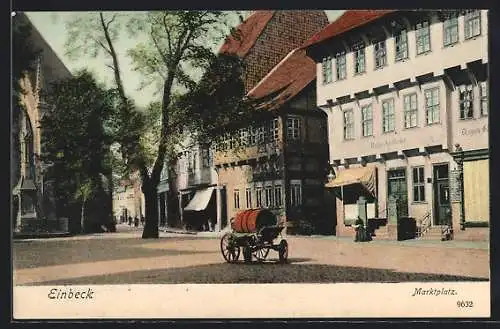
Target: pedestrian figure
<point>129,220</point>
<point>360,230</point>
<point>143,220</point>
<point>136,221</point>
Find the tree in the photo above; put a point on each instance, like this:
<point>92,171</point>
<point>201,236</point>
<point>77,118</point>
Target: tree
<point>175,43</point>
<point>78,132</point>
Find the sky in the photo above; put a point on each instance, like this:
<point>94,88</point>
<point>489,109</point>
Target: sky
<point>52,27</point>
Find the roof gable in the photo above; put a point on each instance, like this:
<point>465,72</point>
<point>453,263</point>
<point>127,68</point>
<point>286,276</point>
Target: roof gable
<point>246,34</point>
<point>295,72</point>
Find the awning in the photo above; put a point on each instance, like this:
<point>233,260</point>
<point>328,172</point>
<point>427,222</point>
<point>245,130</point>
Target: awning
<point>364,176</point>
<point>200,200</point>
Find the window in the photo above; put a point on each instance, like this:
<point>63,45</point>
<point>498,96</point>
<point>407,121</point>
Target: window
<point>206,155</point>
<point>258,197</point>
<point>277,196</point>
<point>466,101</point>
<point>423,37</point>
<point>243,137</point>
<point>326,68</point>
<point>293,128</point>
<point>410,110</point>
<point>472,24</point>
<point>252,136</point>
<point>367,120</point>
<point>191,161</point>
<point>380,54</point>
<point>341,66</point>
<point>296,194</point>
<point>273,130</point>
<point>236,199</point>
<point>483,93</point>
<point>418,184</point>
<point>348,124</point>
<point>248,195</point>
<point>359,59</point>
<point>432,105</point>
<point>261,134</point>
<point>388,117</point>
<point>269,197</point>
<point>450,29</point>
<point>401,45</point>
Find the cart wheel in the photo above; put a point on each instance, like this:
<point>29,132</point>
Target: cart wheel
<point>247,254</point>
<point>283,251</point>
<point>261,253</point>
<point>230,251</point>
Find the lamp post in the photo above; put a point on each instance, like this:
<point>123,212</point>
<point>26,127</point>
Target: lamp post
<point>460,163</point>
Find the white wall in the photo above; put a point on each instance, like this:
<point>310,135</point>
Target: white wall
<point>435,61</point>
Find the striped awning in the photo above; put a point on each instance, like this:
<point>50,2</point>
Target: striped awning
<point>364,176</point>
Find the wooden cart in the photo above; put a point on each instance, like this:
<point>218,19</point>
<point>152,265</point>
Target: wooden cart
<point>253,232</point>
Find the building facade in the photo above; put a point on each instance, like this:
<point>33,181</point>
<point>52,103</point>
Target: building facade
<point>128,199</point>
<point>406,93</point>
<point>280,162</point>
<point>33,203</point>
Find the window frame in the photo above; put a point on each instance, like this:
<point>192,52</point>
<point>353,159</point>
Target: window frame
<point>410,111</point>
<point>293,127</point>
<point>389,117</point>
<point>450,24</point>
<point>349,125</point>
<point>420,28</point>
<point>341,65</point>
<point>269,196</point>
<point>483,98</point>
<point>469,17</point>
<point>466,90</point>
<point>418,182</point>
<point>236,199</point>
<point>432,108</point>
<point>359,57</point>
<point>367,120</point>
<point>278,196</point>
<point>398,42</point>
<point>258,197</point>
<point>380,54</point>
<point>248,197</point>
<point>327,70</point>
<point>296,194</point>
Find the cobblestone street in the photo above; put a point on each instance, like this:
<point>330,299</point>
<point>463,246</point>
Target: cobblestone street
<point>125,258</point>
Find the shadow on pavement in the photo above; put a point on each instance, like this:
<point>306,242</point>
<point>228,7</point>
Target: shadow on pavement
<point>270,272</point>
<point>33,254</point>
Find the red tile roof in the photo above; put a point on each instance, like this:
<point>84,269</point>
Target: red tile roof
<point>348,21</point>
<point>286,80</point>
<point>247,34</point>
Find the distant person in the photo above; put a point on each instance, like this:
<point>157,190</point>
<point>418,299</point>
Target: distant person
<point>129,220</point>
<point>143,220</point>
<point>136,221</point>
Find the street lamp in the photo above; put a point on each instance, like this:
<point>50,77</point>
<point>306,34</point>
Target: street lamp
<point>460,163</point>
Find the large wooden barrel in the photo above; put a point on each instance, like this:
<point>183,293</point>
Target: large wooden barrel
<point>252,220</point>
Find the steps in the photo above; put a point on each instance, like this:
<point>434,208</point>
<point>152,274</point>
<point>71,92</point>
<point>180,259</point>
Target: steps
<point>433,233</point>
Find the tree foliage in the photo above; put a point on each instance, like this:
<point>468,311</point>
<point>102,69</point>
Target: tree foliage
<point>77,137</point>
<point>175,49</point>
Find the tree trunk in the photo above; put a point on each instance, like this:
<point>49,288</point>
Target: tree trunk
<point>151,205</point>
<point>82,217</point>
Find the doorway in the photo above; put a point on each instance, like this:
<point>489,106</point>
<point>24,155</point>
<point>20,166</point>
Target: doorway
<point>397,187</point>
<point>441,202</point>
